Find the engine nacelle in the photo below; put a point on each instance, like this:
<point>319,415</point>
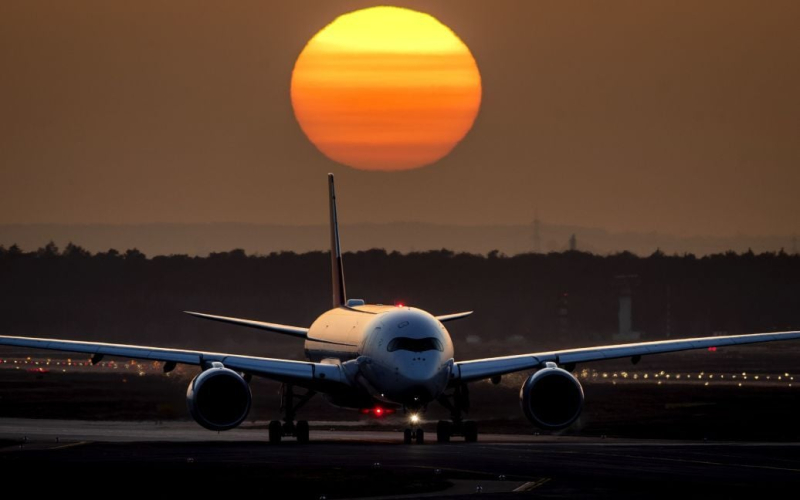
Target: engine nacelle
<point>218,398</point>
<point>551,398</point>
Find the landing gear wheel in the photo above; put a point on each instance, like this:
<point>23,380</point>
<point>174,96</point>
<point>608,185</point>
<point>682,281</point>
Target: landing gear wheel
<point>290,403</point>
<point>275,432</point>
<point>301,431</point>
<point>407,436</point>
<point>420,435</point>
<point>470,431</point>
<point>444,430</point>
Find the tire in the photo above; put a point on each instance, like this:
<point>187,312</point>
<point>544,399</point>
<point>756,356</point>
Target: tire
<point>444,430</point>
<point>470,431</point>
<point>407,436</point>
<point>301,431</point>
<point>275,432</point>
<point>420,436</point>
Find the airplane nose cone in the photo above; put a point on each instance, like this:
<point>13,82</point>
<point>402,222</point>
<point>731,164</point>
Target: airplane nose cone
<point>421,370</point>
<point>421,379</point>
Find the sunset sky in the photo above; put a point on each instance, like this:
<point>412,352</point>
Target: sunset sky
<point>677,117</point>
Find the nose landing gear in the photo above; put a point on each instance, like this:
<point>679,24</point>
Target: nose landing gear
<point>417,435</point>
<point>415,432</point>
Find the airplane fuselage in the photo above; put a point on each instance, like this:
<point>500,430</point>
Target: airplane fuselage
<point>404,354</point>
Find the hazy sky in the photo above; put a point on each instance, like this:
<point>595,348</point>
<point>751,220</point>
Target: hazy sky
<point>679,116</point>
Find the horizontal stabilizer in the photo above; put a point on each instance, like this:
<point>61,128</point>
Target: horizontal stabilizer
<point>294,331</point>
<point>454,316</point>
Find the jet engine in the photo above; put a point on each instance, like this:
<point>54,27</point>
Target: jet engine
<point>551,398</point>
<point>218,398</point>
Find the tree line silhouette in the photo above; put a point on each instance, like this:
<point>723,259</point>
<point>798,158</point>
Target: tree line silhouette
<point>523,302</point>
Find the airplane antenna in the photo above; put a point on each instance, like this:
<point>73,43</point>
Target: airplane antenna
<point>337,270</point>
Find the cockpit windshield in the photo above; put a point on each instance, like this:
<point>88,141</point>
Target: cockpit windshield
<point>415,345</point>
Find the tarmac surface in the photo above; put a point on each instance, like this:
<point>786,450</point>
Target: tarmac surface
<point>135,459</point>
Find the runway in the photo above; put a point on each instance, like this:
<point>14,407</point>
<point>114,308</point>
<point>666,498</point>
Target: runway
<point>180,457</point>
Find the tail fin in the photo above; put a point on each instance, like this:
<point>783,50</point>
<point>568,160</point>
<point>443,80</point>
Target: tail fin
<point>337,271</point>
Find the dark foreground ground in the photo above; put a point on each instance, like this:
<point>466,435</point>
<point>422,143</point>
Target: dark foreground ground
<point>181,459</point>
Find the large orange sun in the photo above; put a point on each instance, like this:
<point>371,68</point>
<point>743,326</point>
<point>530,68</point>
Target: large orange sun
<point>386,88</point>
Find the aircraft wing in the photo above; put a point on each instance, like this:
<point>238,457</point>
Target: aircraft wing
<point>302,373</point>
<point>468,371</point>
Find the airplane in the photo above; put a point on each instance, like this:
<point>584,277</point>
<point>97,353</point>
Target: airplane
<point>379,359</point>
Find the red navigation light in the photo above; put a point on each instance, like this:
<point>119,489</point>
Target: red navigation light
<point>377,411</point>
<point>400,304</point>
<point>712,349</point>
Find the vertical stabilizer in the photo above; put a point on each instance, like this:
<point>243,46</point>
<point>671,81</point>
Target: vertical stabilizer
<point>337,271</point>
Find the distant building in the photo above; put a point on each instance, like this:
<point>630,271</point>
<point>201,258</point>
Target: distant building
<point>625,331</point>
